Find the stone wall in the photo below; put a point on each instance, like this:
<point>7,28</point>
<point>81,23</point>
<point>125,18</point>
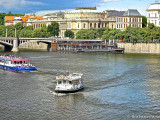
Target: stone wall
<point>34,46</point>
<point>140,47</point>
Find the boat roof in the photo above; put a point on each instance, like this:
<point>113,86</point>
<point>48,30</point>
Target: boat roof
<point>18,60</point>
<point>70,77</point>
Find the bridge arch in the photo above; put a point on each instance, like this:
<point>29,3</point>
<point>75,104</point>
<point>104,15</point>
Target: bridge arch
<point>7,46</point>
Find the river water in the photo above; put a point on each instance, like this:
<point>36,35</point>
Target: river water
<point>117,87</point>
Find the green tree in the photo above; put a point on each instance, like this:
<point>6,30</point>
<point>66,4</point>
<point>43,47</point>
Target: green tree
<point>54,29</point>
<point>41,33</point>
<point>92,34</point>
<point>2,15</point>
<point>19,26</point>
<point>151,26</point>
<point>115,34</point>
<point>144,21</point>
<point>69,33</point>
<point>100,32</point>
<point>2,30</point>
<point>82,34</point>
<point>105,35</point>
<point>10,31</point>
<point>27,31</point>
<point>10,14</point>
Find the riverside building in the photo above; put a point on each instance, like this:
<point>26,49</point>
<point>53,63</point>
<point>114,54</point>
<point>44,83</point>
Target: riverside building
<point>153,14</point>
<point>131,17</point>
<point>83,18</point>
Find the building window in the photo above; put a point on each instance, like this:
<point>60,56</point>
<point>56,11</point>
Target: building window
<point>117,26</point>
<point>124,20</point>
<point>84,25</point>
<point>78,25</point>
<point>94,25</point>
<point>155,15</point>
<point>149,15</point>
<point>124,26</point>
<point>90,25</point>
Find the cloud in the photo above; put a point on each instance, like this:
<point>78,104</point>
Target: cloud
<point>10,4</point>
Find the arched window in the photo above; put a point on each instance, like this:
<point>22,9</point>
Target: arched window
<point>94,25</point>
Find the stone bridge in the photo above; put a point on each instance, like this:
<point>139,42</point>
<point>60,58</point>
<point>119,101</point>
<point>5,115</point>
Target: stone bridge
<point>12,43</point>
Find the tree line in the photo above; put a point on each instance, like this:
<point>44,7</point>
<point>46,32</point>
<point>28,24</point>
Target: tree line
<point>150,34</point>
<point>29,31</point>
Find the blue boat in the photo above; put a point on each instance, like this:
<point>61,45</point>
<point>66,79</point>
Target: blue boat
<point>11,63</point>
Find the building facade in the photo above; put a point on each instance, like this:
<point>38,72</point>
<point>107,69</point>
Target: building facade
<point>153,14</point>
<point>131,17</point>
<point>13,20</point>
<point>82,18</point>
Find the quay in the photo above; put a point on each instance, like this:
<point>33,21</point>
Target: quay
<point>54,44</point>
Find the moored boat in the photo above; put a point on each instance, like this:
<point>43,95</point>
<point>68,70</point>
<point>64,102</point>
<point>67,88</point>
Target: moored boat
<point>69,83</point>
<point>16,64</point>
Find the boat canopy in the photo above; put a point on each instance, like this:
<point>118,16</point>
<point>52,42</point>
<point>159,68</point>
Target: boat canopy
<point>19,60</point>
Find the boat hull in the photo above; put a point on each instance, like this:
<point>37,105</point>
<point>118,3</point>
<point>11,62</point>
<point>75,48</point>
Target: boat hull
<point>18,69</point>
<point>69,91</point>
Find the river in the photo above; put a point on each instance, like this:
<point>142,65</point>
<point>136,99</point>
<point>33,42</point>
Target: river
<point>117,87</point>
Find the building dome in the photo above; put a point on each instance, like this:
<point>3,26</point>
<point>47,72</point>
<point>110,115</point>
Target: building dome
<point>154,6</point>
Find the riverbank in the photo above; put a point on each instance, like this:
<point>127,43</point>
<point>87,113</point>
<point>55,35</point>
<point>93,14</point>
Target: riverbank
<point>149,48</point>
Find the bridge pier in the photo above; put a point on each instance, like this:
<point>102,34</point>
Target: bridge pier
<point>15,45</point>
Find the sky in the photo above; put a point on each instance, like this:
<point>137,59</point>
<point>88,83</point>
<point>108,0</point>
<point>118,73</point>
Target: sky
<point>37,6</point>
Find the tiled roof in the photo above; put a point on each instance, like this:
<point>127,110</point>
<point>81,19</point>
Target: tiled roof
<point>129,12</point>
<point>9,18</point>
<point>117,13</point>
<point>132,12</point>
<point>24,18</point>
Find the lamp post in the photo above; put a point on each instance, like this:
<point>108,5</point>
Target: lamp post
<point>15,33</point>
<point>6,32</point>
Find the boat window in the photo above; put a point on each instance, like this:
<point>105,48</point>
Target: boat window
<point>70,82</point>
<point>64,82</point>
<point>59,82</point>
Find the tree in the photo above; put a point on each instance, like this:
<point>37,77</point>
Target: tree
<point>41,33</point>
<point>115,34</point>
<point>2,30</point>
<point>69,33</point>
<point>144,21</point>
<point>105,35</point>
<point>92,33</point>
<point>27,31</point>
<point>82,34</point>
<point>10,31</point>
<point>10,14</point>
<point>100,32</point>
<point>53,29</point>
<point>151,26</point>
<point>19,26</point>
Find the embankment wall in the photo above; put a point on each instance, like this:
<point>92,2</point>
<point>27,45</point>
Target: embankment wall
<point>151,48</point>
<point>33,46</point>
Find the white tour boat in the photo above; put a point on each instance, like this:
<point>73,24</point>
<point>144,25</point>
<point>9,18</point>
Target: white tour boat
<point>69,83</point>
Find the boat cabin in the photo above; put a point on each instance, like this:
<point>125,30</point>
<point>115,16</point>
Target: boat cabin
<point>19,61</point>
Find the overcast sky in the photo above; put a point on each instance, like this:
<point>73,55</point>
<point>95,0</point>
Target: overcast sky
<point>32,6</point>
